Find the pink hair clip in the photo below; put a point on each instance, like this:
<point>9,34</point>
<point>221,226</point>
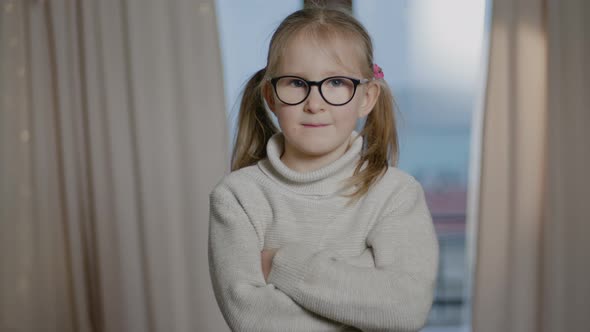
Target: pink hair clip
<point>377,72</point>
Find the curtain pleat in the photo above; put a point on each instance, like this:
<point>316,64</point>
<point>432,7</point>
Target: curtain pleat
<point>565,269</point>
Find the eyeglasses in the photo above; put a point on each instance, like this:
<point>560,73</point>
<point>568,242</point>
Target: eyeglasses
<point>335,90</point>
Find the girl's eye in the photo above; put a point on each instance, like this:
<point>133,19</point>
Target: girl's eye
<point>297,83</point>
<point>336,82</point>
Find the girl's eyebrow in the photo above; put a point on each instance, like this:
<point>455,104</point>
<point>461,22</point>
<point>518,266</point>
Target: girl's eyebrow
<point>326,74</point>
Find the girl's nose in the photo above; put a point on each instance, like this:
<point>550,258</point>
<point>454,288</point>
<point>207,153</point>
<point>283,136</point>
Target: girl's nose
<point>314,102</point>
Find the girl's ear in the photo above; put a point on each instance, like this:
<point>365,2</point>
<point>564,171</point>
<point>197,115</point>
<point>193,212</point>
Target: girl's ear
<point>370,96</point>
<point>268,96</point>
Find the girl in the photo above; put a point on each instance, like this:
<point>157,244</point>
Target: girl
<point>315,229</point>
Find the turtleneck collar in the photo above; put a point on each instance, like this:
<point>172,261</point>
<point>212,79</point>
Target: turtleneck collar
<point>323,181</point>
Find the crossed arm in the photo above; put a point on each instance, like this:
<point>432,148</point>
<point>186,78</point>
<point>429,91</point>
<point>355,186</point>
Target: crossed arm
<point>388,287</point>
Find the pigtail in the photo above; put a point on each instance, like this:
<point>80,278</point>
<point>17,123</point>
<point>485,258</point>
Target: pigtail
<point>255,127</point>
<point>380,129</point>
<point>380,144</point>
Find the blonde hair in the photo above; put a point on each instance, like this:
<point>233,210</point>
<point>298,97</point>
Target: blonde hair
<point>255,126</point>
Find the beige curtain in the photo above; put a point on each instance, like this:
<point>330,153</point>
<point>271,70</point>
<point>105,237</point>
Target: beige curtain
<point>113,133</point>
<point>533,219</point>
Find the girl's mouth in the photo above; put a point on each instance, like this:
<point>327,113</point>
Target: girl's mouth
<point>311,125</point>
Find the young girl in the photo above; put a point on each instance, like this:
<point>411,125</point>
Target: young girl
<point>315,229</point>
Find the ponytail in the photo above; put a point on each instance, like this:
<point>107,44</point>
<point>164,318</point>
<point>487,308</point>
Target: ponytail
<point>255,126</point>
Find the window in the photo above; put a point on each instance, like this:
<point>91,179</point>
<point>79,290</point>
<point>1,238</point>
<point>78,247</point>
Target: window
<point>431,54</point>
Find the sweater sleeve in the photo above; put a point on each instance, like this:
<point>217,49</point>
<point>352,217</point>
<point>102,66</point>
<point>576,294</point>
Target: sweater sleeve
<point>394,295</point>
<point>246,301</point>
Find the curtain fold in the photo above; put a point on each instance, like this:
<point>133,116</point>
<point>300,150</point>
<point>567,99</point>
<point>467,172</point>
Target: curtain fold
<point>565,269</point>
<point>113,133</point>
<point>529,264</point>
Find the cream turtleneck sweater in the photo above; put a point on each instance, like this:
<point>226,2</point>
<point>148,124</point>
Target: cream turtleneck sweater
<point>370,266</point>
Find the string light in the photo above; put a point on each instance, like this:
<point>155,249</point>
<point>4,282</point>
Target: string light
<point>8,7</point>
<point>24,136</point>
<point>204,9</point>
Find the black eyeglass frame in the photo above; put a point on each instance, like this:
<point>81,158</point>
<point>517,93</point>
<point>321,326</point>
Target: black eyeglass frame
<point>355,81</point>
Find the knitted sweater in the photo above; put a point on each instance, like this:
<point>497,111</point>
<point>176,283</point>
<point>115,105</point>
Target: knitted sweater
<point>370,266</point>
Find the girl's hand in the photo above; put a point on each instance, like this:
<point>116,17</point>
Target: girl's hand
<point>266,257</point>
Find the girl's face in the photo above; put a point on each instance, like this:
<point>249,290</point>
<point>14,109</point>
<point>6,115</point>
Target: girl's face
<point>319,145</point>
